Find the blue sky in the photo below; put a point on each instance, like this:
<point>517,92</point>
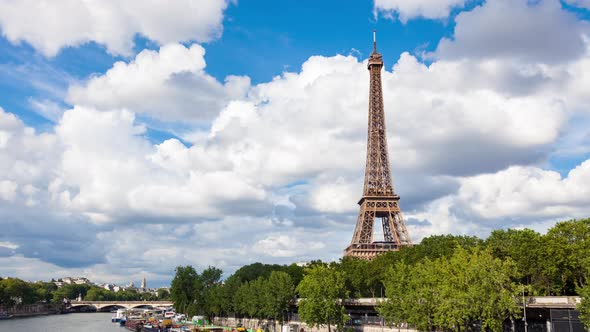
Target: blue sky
<point>261,39</point>
<point>205,123</point>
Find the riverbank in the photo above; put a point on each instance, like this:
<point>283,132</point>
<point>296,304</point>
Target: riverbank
<point>32,310</point>
<point>295,326</point>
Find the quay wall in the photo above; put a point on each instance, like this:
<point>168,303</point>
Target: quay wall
<point>296,326</point>
<point>30,310</point>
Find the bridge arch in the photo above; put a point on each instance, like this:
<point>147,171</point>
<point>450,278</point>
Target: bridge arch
<point>83,307</point>
<point>141,306</point>
<point>107,308</point>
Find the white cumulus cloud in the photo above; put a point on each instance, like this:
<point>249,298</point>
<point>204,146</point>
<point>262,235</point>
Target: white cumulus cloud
<point>409,9</point>
<point>528,192</point>
<point>169,84</point>
<point>274,171</point>
<point>527,31</point>
<point>7,190</point>
<point>52,25</point>
<point>579,3</point>
<point>110,168</point>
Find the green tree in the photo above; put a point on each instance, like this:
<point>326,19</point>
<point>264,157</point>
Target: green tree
<point>211,277</point>
<point>584,305</point>
<point>356,276</point>
<point>423,295</point>
<point>525,247</point>
<point>257,300</point>
<point>248,298</point>
<point>278,291</point>
<point>207,303</point>
<point>95,294</point>
<point>295,272</point>
<point>476,286</point>
<point>450,293</point>
<point>3,296</point>
<point>438,246</point>
<point>127,295</point>
<point>322,292</point>
<point>567,256</point>
<point>70,292</point>
<point>378,268</point>
<point>395,309</point>
<point>214,301</point>
<point>228,294</point>
<point>17,291</point>
<point>254,271</point>
<point>241,297</point>
<point>44,291</point>
<point>432,247</point>
<point>163,294</point>
<point>184,288</point>
<point>190,291</point>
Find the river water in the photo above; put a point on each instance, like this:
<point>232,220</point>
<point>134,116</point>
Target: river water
<point>74,322</point>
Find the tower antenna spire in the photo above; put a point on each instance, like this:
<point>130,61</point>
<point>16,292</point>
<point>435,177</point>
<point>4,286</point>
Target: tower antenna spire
<point>374,40</point>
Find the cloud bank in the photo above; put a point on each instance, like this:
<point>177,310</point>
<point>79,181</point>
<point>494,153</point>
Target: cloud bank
<point>273,171</point>
<point>52,25</point>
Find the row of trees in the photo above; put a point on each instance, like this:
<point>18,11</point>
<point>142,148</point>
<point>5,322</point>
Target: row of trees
<point>265,297</point>
<point>446,282</point>
<point>322,292</point>
<point>194,293</point>
<point>263,291</point>
<point>15,291</point>
<point>256,290</point>
<point>556,263</point>
<point>451,293</point>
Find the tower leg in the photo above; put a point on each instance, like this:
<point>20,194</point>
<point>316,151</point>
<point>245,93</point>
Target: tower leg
<point>387,234</point>
<point>367,227</point>
<point>401,232</point>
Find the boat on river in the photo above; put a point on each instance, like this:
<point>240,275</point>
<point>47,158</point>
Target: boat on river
<point>119,315</point>
<point>5,315</point>
<point>134,325</point>
<point>169,314</point>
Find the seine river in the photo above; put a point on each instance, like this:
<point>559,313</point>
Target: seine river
<point>76,322</point>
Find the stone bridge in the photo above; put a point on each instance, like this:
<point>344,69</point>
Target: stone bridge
<point>108,305</point>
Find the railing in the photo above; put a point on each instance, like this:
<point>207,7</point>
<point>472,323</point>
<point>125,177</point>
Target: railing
<point>365,301</point>
<point>374,246</point>
<point>122,302</point>
<point>553,301</point>
<point>533,301</point>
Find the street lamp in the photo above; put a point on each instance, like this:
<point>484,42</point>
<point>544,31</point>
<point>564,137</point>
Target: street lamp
<point>524,310</point>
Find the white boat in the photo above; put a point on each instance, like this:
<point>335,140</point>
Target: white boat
<point>180,318</point>
<point>169,314</point>
<point>119,315</point>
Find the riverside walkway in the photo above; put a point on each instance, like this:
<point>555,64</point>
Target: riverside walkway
<point>550,302</point>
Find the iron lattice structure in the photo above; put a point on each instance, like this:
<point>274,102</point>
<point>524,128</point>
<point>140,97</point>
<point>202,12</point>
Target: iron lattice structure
<point>379,200</point>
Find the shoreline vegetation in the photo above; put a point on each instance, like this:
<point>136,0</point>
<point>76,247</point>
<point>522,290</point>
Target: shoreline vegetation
<point>445,283</point>
<point>448,282</point>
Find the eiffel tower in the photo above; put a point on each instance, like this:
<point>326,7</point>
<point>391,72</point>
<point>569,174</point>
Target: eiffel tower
<point>379,201</point>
